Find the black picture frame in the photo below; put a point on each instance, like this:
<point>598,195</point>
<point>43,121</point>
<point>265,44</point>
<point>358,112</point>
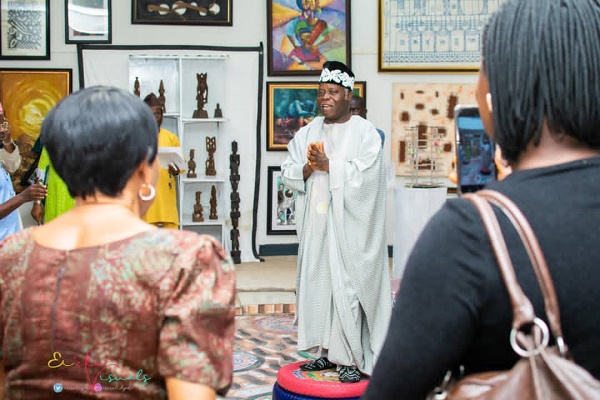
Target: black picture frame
<point>25,30</point>
<point>280,213</point>
<point>97,21</point>
<point>196,12</point>
<point>329,25</point>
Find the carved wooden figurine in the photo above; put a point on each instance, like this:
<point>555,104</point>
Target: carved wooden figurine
<point>213,203</point>
<point>211,147</point>
<point>201,96</point>
<point>161,96</point>
<point>198,215</point>
<point>234,178</point>
<point>136,87</point>
<point>191,165</point>
<point>218,111</point>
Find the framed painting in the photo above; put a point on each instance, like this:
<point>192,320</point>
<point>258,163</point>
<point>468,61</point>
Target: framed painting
<point>27,95</point>
<point>303,34</point>
<point>432,35</point>
<point>88,21</point>
<point>182,12</point>
<point>423,126</point>
<point>281,217</point>
<point>25,30</point>
<point>290,106</point>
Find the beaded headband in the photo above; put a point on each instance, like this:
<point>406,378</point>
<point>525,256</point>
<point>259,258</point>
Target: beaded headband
<point>331,74</point>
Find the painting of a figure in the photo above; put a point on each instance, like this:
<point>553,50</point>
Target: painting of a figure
<point>291,105</point>
<point>303,34</point>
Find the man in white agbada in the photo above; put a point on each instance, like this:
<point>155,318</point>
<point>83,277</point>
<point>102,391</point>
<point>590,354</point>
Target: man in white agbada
<point>344,298</point>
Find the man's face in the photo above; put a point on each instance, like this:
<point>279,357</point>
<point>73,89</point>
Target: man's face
<point>357,107</point>
<point>158,114</point>
<point>334,101</point>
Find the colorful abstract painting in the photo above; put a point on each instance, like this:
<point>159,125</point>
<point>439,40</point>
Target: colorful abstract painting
<point>27,95</point>
<point>303,34</point>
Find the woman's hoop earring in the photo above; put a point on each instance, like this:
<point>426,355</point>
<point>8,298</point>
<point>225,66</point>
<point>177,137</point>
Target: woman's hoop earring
<point>150,195</point>
<point>488,100</point>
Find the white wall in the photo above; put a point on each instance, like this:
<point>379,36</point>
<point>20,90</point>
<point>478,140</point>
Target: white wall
<point>249,29</point>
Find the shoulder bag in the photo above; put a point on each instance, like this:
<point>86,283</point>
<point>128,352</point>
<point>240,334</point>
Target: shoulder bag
<point>543,372</point>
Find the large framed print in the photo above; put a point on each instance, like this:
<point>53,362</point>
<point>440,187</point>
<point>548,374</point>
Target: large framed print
<point>281,212</point>
<point>182,12</point>
<point>27,95</point>
<point>432,35</point>
<point>423,126</point>
<point>303,34</point>
<point>88,21</point>
<point>25,29</point>
<point>290,106</point>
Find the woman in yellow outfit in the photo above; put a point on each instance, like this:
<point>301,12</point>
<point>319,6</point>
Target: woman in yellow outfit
<point>163,212</point>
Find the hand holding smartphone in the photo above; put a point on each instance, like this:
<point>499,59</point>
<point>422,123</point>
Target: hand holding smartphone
<point>475,166</point>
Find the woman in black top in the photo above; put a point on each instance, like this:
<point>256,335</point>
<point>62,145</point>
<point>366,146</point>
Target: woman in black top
<point>538,95</point>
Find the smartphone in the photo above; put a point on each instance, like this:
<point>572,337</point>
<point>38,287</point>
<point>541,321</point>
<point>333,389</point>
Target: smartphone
<point>475,166</point>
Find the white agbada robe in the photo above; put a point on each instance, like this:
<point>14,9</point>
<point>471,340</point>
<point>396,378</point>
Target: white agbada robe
<point>343,286</point>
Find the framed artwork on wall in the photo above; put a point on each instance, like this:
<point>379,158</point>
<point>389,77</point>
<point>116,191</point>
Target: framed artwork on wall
<point>25,30</point>
<point>182,12</point>
<point>303,34</point>
<point>27,95</point>
<point>432,35</point>
<point>290,106</point>
<point>88,21</point>
<point>281,217</point>
<point>423,125</point>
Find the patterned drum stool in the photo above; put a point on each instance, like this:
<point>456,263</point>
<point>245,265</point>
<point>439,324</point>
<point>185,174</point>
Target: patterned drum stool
<point>295,384</point>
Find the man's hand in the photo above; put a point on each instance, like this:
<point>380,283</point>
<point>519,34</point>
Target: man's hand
<point>34,192</point>
<point>37,212</point>
<point>316,157</point>
<point>174,169</point>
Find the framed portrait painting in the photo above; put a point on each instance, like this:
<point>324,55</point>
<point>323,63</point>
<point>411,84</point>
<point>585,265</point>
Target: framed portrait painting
<point>27,95</point>
<point>88,21</point>
<point>303,34</point>
<point>182,12</point>
<point>281,212</point>
<point>290,106</point>
<point>432,35</point>
<point>25,29</point>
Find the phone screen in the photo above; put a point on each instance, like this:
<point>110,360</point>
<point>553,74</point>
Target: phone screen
<point>475,151</point>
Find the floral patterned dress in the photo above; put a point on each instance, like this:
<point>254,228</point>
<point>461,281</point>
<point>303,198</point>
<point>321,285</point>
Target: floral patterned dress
<point>113,321</point>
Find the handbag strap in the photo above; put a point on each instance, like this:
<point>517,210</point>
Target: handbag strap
<point>522,309</point>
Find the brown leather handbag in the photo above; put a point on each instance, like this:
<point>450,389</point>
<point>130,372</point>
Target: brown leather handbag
<point>543,372</point>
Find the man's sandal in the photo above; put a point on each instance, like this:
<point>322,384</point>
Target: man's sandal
<point>349,374</point>
<point>319,364</point>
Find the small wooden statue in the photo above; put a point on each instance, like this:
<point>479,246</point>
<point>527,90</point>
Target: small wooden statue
<point>218,112</point>
<point>161,96</point>
<point>201,96</point>
<point>136,87</point>
<point>213,203</point>
<point>198,215</point>
<point>211,147</point>
<point>191,165</point>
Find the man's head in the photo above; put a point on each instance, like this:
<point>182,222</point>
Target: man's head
<point>358,106</point>
<point>335,91</point>
<point>156,107</point>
